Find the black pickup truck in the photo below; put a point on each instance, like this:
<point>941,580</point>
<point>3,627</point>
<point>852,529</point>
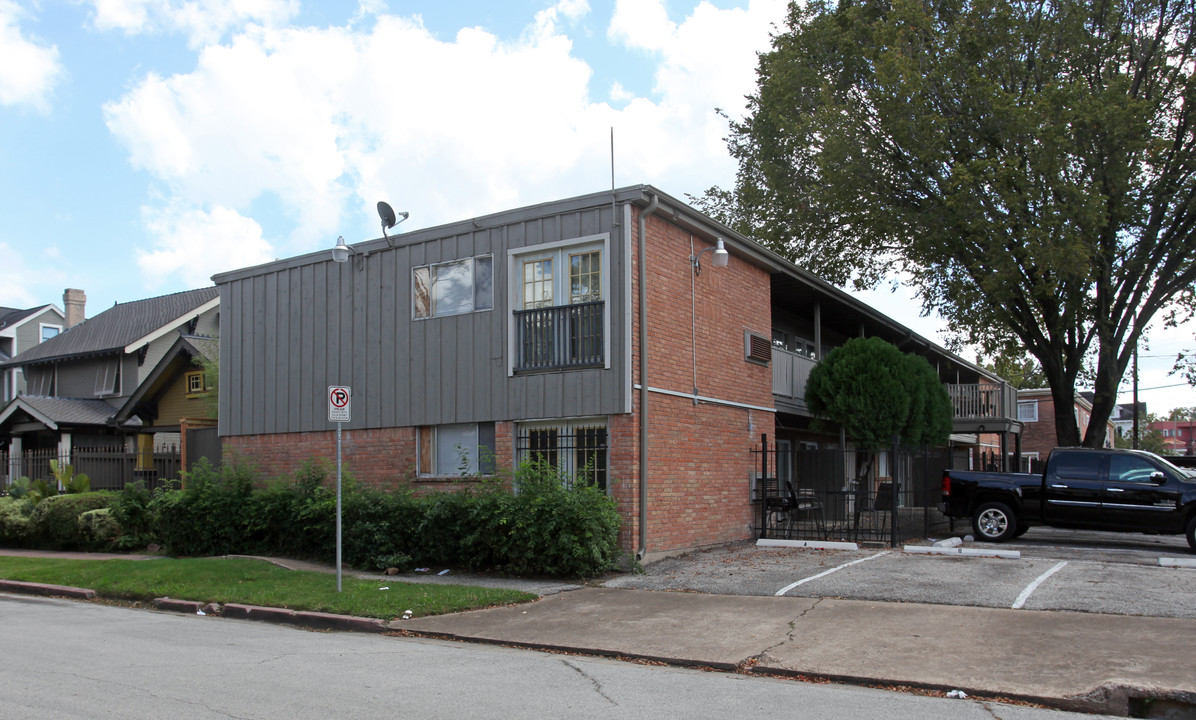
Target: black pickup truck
<point>1084,488</point>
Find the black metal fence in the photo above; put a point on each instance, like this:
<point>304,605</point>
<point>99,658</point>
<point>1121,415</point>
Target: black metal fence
<point>579,454</point>
<point>848,495</point>
<point>106,468</point>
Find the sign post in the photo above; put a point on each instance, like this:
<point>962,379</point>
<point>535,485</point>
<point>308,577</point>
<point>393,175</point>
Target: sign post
<point>339,412</point>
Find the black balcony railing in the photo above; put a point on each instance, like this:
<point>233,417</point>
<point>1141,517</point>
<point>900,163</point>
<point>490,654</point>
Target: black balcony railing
<point>565,336</point>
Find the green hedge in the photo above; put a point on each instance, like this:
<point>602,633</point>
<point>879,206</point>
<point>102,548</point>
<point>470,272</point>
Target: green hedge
<point>542,527</point>
<point>55,521</point>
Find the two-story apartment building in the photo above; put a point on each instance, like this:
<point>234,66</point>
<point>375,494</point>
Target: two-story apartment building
<point>622,335</point>
<point>123,379</point>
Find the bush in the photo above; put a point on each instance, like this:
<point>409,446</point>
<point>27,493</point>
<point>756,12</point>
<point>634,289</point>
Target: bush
<point>555,525</point>
<point>295,518</point>
<point>15,526</point>
<point>210,515</point>
<point>131,512</point>
<point>99,530</point>
<point>56,519</point>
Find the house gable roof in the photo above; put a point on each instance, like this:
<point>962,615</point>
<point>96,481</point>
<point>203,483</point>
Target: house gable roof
<point>54,412</point>
<point>176,359</point>
<point>123,327</point>
<point>10,318</point>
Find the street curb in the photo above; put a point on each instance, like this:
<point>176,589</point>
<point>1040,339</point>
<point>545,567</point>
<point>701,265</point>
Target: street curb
<point>191,607</point>
<point>303,618</point>
<point>31,588</point>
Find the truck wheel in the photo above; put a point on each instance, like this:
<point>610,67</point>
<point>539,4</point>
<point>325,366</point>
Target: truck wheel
<point>1191,533</point>
<point>994,522</point>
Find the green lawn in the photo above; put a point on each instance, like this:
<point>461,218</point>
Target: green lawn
<point>255,582</point>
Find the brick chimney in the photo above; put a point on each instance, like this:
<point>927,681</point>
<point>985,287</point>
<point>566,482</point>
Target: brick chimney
<point>74,303</point>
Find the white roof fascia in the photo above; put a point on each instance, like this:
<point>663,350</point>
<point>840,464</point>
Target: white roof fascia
<point>172,325</point>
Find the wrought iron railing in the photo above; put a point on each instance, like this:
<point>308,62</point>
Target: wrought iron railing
<point>565,336</point>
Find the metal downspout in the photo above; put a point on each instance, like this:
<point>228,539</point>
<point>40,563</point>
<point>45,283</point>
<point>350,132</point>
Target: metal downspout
<point>642,249</point>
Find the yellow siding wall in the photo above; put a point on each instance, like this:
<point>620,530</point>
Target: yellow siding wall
<point>175,404</point>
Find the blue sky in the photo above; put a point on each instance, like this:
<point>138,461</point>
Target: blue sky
<point>149,144</point>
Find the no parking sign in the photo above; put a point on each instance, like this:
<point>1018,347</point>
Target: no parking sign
<point>338,403</point>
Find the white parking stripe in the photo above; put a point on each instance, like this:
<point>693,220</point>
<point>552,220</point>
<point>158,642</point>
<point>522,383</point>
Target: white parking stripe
<point>824,573</point>
<point>1021,599</point>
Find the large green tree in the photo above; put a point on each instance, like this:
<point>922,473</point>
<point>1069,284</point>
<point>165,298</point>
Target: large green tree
<point>1028,166</point>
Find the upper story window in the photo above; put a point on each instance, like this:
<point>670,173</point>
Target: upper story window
<point>558,304</point>
<point>49,331</point>
<point>1027,411</point>
<point>561,277</point>
<point>108,378</point>
<point>453,288</point>
<point>197,383</point>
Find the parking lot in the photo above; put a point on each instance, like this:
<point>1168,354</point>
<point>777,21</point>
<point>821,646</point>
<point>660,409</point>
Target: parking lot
<point>1058,570</point>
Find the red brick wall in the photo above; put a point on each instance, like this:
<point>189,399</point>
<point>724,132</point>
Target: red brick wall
<point>383,458</point>
<point>700,454</point>
<point>1039,437</point>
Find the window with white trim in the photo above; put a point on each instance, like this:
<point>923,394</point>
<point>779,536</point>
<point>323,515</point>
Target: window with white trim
<point>108,378</point>
<point>456,450</point>
<point>49,331</point>
<point>558,308</point>
<point>1027,411</point>
<point>452,288</point>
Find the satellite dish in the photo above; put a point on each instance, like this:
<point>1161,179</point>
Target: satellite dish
<point>389,218</point>
<point>387,213</point>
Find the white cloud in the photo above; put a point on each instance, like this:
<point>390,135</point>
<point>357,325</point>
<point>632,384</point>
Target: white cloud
<point>29,276</point>
<point>324,122</point>
<point>15,280</point>
<point>203,21</point>
<point>28,69</point>
<point>195,245</point>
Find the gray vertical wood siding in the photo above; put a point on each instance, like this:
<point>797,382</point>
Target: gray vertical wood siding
<point>292,328</point>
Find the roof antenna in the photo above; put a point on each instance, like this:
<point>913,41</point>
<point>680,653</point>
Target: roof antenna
<point>389,218</point>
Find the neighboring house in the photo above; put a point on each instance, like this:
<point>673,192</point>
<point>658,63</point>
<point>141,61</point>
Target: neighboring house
<point>1122,416</point>
<point>21,330</point>
<point>622,334</point>
<point>123,381</point>
<point>1036,409</point>
<point>1179,436</point>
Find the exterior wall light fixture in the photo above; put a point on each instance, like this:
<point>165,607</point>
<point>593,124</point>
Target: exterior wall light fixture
<point>720,257</point>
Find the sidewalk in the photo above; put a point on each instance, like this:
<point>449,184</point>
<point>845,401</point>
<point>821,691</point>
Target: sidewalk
<point>1114,664</point>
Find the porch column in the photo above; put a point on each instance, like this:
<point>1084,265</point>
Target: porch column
<point>818,332</point>
<point>13,471</point>
<point>64,451</point>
